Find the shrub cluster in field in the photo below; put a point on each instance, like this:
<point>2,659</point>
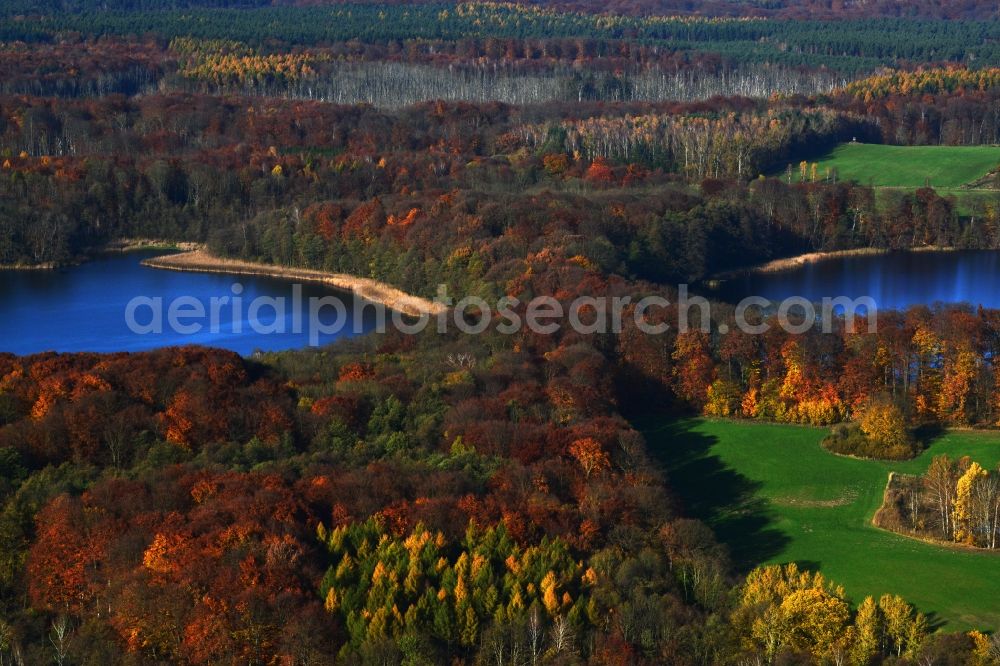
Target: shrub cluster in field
<point>880,434</point>
<point>847,439</point>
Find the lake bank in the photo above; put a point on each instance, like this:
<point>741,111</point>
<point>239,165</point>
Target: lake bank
<point>113,247</point>
<point>133,244</point>
<point>47,266</point>
<point>201,261</point>
<point>893,280</point>
<point>798,261</point>
<point>112,303</point>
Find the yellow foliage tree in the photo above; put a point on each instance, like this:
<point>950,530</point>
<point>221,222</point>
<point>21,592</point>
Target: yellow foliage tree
<point>813,620</point>
<point>985,651</point>
<point>784,607</point>
<point>332,603</point>
<point>723,399</point>
<point>867,633</point>
<point>883,423</point>
<point>962,516</point>
<point>903,629</point>
<point>749,405</point>
<point>549,597</point>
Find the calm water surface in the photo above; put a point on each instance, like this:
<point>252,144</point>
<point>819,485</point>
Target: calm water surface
<point>897,280</point>
<point>82,308</point>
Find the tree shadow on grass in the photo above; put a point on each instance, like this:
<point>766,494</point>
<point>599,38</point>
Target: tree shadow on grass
<point>934,621</point>
<point>926,434</point>
<point>713,492</point>
<point>808,565</point>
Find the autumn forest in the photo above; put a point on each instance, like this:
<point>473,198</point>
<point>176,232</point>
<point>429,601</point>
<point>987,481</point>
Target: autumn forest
<point>445,498</point>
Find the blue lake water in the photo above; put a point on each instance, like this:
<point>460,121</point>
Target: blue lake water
<point>895,281</point>
<point>83,308</point>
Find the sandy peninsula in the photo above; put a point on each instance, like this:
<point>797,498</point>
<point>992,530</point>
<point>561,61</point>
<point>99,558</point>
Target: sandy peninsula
<point>812,258</point>
<point>789,263</point>
<point>200,261</point>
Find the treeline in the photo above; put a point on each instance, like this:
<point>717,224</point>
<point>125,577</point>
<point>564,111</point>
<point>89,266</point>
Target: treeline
<point>30,7</point>
<point>717,146</point>
<point>969,9</point>
<point>394,85</point>
<point>952,106</point>
<point>809,9</point>
<point>847,46</point>
<point>923,366</point>
<point>924,81</point>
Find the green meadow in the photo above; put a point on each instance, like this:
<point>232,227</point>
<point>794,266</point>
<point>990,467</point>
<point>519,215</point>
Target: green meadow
<point>774,495</point>
<point>907,166</point>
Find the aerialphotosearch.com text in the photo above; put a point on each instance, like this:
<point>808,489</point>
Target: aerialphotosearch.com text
<point>586,315</point>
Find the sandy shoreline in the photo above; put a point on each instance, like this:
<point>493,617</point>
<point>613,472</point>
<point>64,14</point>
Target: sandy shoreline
<point>200,261</point>
<point>132,244</point>
<point>790,263</point>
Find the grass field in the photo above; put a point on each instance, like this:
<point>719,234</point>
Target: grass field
<point>907,166</point>
<point>773,494</point>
